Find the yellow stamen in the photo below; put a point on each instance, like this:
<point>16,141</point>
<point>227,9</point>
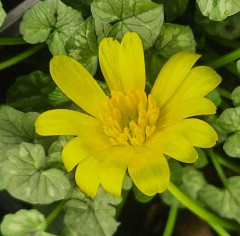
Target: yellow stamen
<point>130,119</point>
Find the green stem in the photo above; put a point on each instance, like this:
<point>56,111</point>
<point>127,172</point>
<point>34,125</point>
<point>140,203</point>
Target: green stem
<point>219,230</point>
<point>217,166</point>
<point>224,93</point>
<point>217,223</point>
<point>232,68</point>
<point>226,163</point>
<point>50,218</point>
<point>226,59</point>
<point>171,221</point>
<point>20,57</point>
<point>12,41</point>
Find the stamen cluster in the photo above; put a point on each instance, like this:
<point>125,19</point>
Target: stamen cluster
<point>130,119</point>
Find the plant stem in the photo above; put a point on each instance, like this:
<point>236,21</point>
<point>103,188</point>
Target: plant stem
<point>224,60</point>
<point>20,57</point>
<point>55,212</point>
<point>12,41</point>
<point>226,163</point>
<point>219,229</point>
<point>171,221</point>
<point>232,68</point>
<point>224,93</point>
<point>215,221</point>
<point>217,166</point>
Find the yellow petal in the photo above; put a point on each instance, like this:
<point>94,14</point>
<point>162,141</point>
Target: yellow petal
<point>76,82</point>
<point>198,132</point>
<point>174,145</point>
<point>114,166</point>
<point>88,176</point>
<point>131,63</point>
<point>170,114</point>
<point>73,153</point>
<point>199,82</point>
<point>95,140</point>
<point>108,59</point>
<point>149,171</point>
<point>172,75</point>
<point>63,122</point>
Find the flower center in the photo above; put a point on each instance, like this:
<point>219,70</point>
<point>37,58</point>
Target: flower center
<point>130,119</point>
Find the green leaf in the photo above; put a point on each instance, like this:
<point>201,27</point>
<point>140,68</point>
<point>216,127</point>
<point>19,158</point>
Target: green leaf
<point>176,171</point>
<point>104,87</point>
<point>101,30</point>
<point>83,45</point>
<point>228,28</point>
<point>141,197</point>
<point>175,38</point>
<point>2,14</point>
<point>228,121</point>
<point>153,63</point>
<point>213,121</point>
<point>25,178</point>
<point>103,196</point>
<point>218,10</point>
<point>51,21</point>
<point>224,201</point>
<point>89,217</point>
<point>236,94</point>
<point>57,98</point>
<point>15,127</point>
<point>141,16</point>
<point>45,141</point>
<point>34,86</point>
<point>54,158</point>
<point>215,97</point>
<point>231,145</point>
<point>80,5</point>
<point>192,181</point>
<point>202,159</point>
<point>173,8</point>
<point>127,183</point>
<point>24,223</point>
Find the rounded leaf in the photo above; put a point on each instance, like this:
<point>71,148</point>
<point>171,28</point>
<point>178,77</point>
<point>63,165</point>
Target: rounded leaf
<point>24,176</point>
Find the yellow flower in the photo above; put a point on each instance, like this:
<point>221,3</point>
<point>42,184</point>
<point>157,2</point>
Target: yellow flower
<point>130,131</point>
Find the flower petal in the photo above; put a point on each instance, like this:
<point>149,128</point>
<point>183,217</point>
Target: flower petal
<point>63,122</point>
<point>76,82</point>
<point>73,153</point>
<point>88,176</point>
<point>172,75</point>
<point>131,63</point>
<point>114,166</point>
<point>174,145</point>
<point>149,171</point>
<point>108,59</point>
<point>170,114</point>
<point>198,132</point>
<point>199,82</point>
